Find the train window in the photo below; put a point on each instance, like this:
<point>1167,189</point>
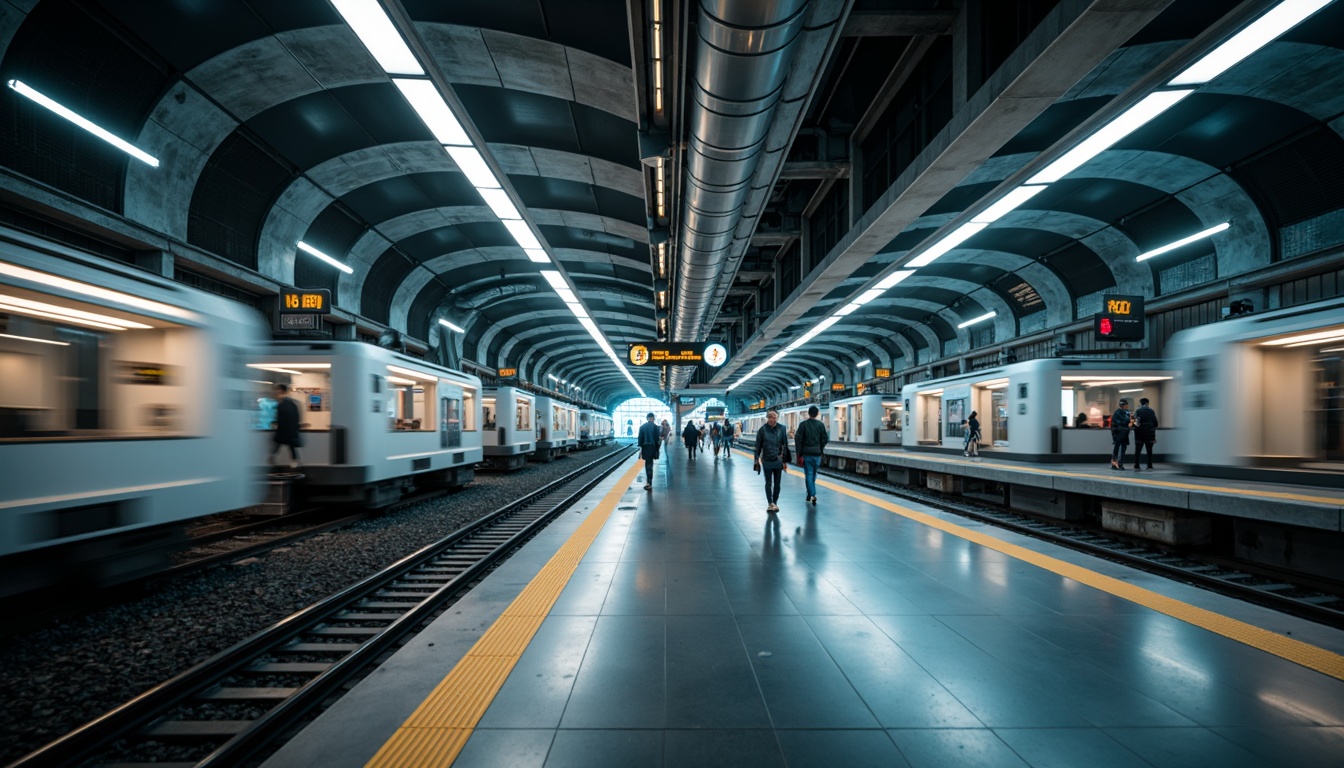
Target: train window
<point>75,370</point>
<point>411,404</point>
<point>523,415</point>
<point>891,416</point>
<point>488,413</point>
<point>309,386</point>
<point>468,410</point>
<point>557,418</point>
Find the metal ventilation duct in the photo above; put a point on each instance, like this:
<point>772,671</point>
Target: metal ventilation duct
<point>743,57</point>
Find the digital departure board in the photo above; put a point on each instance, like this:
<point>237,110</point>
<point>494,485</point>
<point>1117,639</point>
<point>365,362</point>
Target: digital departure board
<point>312,302</point>
<point>1121,319</point>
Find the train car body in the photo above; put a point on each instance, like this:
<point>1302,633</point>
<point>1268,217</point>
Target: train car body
<point>374,422</point>
<point>595,428</point>
<point>557,427</point>
<point>1262,396</point>
<point>510,421</point>
<point>1030,411</point>
<point>123,412</point>
<point>868,419</point>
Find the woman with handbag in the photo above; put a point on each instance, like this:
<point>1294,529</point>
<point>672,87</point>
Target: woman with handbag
<point>772,455</point>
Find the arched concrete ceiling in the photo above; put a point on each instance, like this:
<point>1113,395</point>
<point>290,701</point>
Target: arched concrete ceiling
<point>273,125</point>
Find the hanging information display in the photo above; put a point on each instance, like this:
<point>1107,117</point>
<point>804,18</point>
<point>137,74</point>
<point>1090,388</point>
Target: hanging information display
<point>1121,319</point>
<point>711,354</point>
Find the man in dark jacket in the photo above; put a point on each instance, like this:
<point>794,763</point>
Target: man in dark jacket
<point>286,425</point>
<point>650,437</point>
<point>810,440</point>
<point>691,436</point>
<point>1145,432</point>
<point>1120,424</point>
<point>772,454</point>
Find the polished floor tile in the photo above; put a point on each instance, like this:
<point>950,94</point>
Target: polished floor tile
<point>700,631</point>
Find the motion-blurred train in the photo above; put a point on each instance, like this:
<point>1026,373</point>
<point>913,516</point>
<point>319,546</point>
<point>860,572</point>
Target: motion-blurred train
<point>595,428</point>
<point>510,431</point>
<point>126,408</point>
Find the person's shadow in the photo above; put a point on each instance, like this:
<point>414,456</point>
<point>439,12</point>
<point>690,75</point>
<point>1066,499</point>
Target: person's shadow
<point>770,546</point>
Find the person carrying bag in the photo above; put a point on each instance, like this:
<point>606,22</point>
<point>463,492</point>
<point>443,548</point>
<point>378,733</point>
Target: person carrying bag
<point>772,455</point>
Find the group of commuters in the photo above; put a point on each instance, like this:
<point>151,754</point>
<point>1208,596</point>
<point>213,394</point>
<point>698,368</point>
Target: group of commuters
<point>1143,423</point>
<point>773,455</point>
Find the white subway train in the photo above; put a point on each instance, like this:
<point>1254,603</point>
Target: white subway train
<point>869,419</point>
<point>595,428</point>
<point>509,416</point>
<point>1262,396</point>
<point>125,409</point>
<point>557,427</point>
<point>1048,410</point>
<point>374,423</point>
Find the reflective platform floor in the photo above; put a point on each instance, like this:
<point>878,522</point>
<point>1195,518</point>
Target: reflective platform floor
<point>687,627</point>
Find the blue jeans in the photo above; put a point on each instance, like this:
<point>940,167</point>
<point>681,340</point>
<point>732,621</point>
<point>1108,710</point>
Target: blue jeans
<point>810,466</point>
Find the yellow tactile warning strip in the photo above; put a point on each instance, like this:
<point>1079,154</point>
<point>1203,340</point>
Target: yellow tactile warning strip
<point>1310,656</point>
<point>1333,501</point>
<point>438,729</point>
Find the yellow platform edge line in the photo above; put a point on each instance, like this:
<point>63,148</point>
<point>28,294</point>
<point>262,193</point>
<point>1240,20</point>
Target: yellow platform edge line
<point>1310,656</point>
<point>439,728</point>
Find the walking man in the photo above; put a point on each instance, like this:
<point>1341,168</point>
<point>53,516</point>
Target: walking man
<point>810,439</point>
<point>772,455</point>
<point>1145,432</point>
<point>650,438</point>
<point>691,436</point>
<point>727,440</point>
<point>1120,425</point>
<point>286,425</point>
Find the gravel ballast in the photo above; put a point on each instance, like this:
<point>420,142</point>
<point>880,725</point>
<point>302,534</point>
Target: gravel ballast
<point>73,670</point>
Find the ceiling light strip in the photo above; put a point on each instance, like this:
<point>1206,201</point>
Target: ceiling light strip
<point>1257,35</point>
<point>28,91</point>
<point>333,262</point>
<point>1148,108</point>
<point>98,292</point>
<point>376,31</point>
<point>980,319</point>
<point>1184,241</point>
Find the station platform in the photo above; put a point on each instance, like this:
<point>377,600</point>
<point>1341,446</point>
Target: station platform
<point>1306,506</point>
<point>685,626</point>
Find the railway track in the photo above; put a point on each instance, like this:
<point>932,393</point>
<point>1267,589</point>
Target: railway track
<point>239,702</point>
<point>1281,591</point>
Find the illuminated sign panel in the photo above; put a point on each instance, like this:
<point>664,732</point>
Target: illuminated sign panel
<point>677,353</point>
<point>882,373</point>
<point>315,302</point>
<point>1121,319</point>
<point>504,373</point>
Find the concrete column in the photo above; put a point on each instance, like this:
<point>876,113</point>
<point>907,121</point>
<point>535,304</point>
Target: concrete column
<point>158,262</point>
<point>962,54</point>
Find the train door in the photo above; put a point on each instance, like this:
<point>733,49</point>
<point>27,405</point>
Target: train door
<point>1329,406</point>
<point>931,416</point>
<point>841,423</point>
<point>998,410</point>
<point>450,422</point>
<point>856,421</point>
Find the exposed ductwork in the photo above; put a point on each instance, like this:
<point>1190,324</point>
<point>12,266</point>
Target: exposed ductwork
<point>743,57</point>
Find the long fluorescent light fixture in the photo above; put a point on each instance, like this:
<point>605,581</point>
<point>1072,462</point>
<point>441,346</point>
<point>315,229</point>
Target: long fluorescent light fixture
<point>62,315</point>
<point>1282,18</point>
<point>375,30</point>
<point>848,309</point>
<point>470,162</point>
<point>577,309</point>
<point>552,377</point>
<point>1184,241</point>
<point>1008,202</point>
<point>863,363</point>
<point>450,326</point>
<point>412,374</point>
<point>979,319</point>
<point>24,89</point>
<point>1126,123</point>
<point>36,341</point>
<point>86,289</point>
<point>537,255</point>
<point>1306,339</point>
<point>890,281</point>
<point>522,234</point>
<point>567,296</point>
<point>428,103</point>
<point>954,238</point>
<point>42,306</point>
<point>556,279</point>
<point>500,204</point>
<point>868,295</point>
<point>310,249</point>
